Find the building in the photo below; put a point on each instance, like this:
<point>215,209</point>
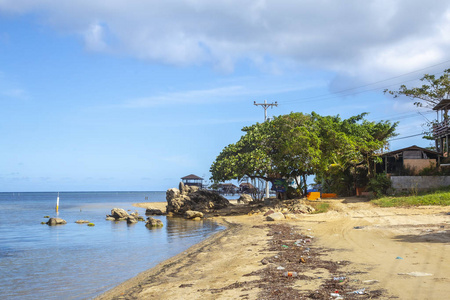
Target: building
<point>441,129</point>
<point>408,161</point>
<point>192,180</point>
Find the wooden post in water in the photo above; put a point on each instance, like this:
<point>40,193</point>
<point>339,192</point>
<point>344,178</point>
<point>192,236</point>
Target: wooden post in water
<point>57,203</point>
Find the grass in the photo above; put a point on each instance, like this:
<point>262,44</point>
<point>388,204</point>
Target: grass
<point>320,207</point>
<point>439,196</point>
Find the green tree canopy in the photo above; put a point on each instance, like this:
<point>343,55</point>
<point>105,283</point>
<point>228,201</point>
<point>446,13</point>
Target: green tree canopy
<point>297,145</point>
<point>429,94</point>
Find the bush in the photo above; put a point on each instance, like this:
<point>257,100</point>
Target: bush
<point>379,184</point>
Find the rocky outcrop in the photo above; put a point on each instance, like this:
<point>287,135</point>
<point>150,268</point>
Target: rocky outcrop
<point>56,221</point>
<point>191,214</point>
<point>153,212</point>
<point>118,214</point>
<point>191,198</point>
<point>245,198</point>
<point>152,222</point>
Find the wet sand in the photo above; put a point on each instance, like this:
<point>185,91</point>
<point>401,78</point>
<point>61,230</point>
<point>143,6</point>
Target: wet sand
<point>384,253</point>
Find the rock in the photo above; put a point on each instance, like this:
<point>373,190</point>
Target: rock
<point>245,198</point>
<point>140,218</point>
<point>197,219</point>
<point>269,212</point>
<point>275,217</point>
<point>153,212</point>
<point>109,218</point>
<point>196,200</point>
<point>56,221</point>
<point>172,194</point>
<point>152,222</point>
<point>190,214</point>
<point>194,188</point>
<point>182,188</point>
<point>135,214</point>
<point>119,213</point>
<point>264,261</point>
<point>290,216</point>
<point>81,221</point>
<point>131,220</point>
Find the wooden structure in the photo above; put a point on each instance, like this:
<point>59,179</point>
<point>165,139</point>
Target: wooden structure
<point>192,180</point>
<point>441,129</point>
<point>413,158</point>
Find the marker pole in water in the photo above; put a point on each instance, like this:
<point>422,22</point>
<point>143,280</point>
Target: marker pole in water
<point>57,203</point>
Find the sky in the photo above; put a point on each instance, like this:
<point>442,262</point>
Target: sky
<point>133,95</point>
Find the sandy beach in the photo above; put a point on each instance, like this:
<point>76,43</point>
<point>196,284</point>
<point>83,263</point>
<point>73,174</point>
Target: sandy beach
<point>354,251</point>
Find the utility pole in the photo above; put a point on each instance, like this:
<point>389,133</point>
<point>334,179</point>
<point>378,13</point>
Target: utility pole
<point>266,105</point>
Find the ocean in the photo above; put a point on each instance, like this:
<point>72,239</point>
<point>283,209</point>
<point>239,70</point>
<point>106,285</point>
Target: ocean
<point>75,261</point>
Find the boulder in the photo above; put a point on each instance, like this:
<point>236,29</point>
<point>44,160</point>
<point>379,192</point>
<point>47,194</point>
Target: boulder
<point>119,213</point>
<point>56,221</point>
<point>109,218</point>
<point>153,212</point>
<point>152,222</point>
<point>172,194</point>
<point>199,200</point>
<point>131,220</point>
<point>245,198</point>
<point>191,214</point>
<point>277,216</point>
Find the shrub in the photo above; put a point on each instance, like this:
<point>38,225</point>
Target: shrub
<point>379,184</point>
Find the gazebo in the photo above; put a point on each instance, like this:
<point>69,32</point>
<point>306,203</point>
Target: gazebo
<point>192,180</point>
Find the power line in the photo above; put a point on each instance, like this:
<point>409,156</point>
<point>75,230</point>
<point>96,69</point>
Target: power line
<point>369,84</point>
<point>406,137</point>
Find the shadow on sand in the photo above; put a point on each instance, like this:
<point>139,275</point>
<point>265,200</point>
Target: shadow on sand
<point>442,236</point>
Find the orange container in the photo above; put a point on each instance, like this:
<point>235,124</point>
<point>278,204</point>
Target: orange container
<point>313,195</point>
<point>328,195</point>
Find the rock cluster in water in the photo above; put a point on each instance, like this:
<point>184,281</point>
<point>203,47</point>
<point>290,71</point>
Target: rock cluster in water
<point>56,221</point>
<point>191,198</point>
<point>119,214</point>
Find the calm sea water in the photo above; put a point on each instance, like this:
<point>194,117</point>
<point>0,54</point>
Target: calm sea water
<point>74,261</point>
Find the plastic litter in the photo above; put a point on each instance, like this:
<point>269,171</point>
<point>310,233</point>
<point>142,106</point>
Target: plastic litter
<point>339,278</point>
<point>302,260</point>
<point>358,292</point>
<point>284,246</point>
<point>416,274</point>
<point>280,268</point>
<point>290,274</point>
<point>335,295</point>
<point>358,227</point>
<point>398,257</point>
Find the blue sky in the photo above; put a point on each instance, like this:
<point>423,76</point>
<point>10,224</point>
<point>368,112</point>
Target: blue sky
<point>133,95</point>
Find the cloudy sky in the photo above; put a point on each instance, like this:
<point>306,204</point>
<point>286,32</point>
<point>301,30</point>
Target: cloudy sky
<point>133,95</point>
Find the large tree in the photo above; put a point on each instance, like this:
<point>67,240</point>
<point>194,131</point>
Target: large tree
<point>298,145</point>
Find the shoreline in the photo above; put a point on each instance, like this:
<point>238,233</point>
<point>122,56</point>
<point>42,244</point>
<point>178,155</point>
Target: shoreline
<point>388,252</point>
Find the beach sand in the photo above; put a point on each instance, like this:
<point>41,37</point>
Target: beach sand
<point>389,252</point>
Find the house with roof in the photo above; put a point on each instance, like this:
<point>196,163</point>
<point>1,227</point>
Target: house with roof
<point>192,180</point>
<point>408,161</point>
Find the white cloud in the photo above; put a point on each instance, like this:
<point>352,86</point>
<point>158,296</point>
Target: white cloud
<point>362,40</point>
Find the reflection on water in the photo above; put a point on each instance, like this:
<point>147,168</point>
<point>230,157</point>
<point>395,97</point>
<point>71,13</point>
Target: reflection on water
<point>74,261</point>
